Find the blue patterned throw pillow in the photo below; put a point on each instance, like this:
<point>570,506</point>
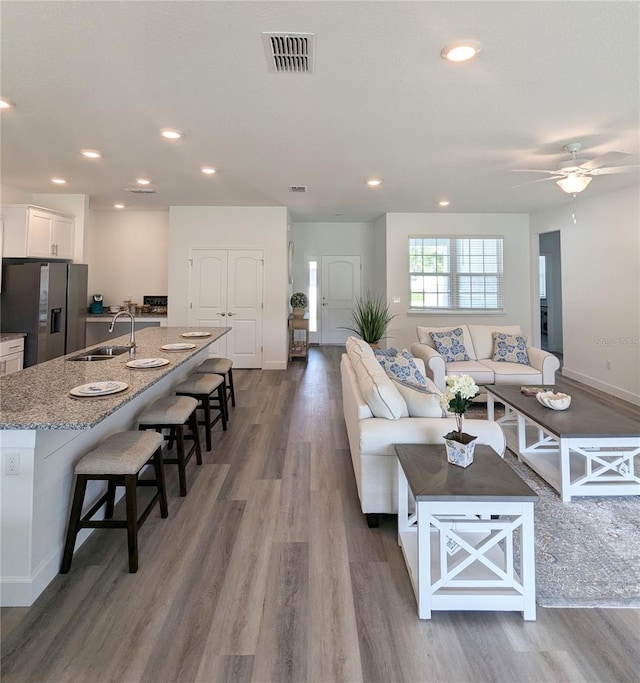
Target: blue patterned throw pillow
<point>510,348</point>
<point>402,368</point>
<point>450,344</point>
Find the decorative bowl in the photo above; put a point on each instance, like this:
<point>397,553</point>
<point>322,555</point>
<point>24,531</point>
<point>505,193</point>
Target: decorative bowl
<point>555,401</point>
<point>114,309</point>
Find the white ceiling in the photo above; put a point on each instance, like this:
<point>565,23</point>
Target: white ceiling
<point>382,102</point>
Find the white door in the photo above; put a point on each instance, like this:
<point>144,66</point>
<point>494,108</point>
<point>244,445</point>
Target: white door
<point>340,287</point>
<point>225,289</point>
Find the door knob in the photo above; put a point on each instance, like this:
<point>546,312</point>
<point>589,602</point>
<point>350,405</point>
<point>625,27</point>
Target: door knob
<point>230,314</point>
<point>223,314</point>
<point>325,304</point>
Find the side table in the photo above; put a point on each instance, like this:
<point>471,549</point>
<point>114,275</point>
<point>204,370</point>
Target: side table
<point>299,347</point>
<point>456,528</point>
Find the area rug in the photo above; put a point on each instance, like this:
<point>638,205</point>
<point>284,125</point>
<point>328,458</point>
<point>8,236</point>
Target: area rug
<point>588,550</point>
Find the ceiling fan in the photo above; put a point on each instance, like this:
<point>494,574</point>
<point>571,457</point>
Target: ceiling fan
<point>575,174</point>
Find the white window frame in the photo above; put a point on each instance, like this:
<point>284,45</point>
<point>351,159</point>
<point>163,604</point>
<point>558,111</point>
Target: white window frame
<point>454,271</point>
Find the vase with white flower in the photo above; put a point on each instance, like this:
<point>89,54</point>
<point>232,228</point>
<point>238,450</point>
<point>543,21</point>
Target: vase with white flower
<point>457,397</point>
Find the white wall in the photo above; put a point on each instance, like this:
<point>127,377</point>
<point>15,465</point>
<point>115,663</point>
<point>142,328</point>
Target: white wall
<point>515,230</point>
<point>231,227</point>
<point>10,195</point>
<point>600,288</point>
<point>127,253</point>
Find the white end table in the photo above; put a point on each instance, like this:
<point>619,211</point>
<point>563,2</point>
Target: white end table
<point>456,528</point>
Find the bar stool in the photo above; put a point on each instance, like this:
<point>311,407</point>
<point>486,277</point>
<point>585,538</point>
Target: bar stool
<point>175,413</point>
<point>221,366</point>
<point>118,460</point>
<point>201,386</point>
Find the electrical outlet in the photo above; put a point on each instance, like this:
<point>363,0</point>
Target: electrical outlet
<point>12,464</point>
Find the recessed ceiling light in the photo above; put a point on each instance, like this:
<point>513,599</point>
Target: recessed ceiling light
<point>208,170</point>
<point>143,181</point>
<point>90,153</point>
<point>6,104</point>
<point>118,206</point>
<point>171,134</point>
<point>444,202</point>
<point>374,182</point>
<point>461,51</point>
<point>59,181</point>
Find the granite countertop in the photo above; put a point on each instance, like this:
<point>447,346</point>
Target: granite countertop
<point>10,336</point>
<point>38,398</point>
<point>107,317</point>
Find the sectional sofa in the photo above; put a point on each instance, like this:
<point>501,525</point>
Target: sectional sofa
<point>378,416</point>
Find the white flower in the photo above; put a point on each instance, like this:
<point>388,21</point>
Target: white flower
<point>461,384</point>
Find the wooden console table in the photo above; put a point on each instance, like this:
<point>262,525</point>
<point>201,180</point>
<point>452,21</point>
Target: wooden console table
<point>457,529</point>
<point>299,347</point>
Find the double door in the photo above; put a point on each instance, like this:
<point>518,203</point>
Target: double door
<point>226,290</point>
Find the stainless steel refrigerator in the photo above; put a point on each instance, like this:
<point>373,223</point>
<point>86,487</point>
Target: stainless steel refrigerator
<point>48,302</point>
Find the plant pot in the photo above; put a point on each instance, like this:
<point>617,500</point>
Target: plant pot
<point>459,453</point>
<point>298,312</point>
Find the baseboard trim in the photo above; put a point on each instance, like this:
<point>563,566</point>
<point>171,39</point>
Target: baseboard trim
<point>601,386</point>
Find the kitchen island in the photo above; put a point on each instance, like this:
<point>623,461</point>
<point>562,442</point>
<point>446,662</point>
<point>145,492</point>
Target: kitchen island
<point>44,431</point>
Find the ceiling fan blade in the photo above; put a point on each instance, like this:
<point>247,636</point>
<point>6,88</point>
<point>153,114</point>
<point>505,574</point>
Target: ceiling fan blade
<point>615,169</point>
<point>532,170</point>
<point>604,160</point>
<point>540,180</point>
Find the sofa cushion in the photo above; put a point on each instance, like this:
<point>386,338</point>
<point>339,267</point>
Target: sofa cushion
<point>513,373</point>
<point>378,390</point>
<point>450,345</point>
<point>478,370</point>
<point>482,336</point>
<point>402,368</point>
<point>421,401</point>
<point>424,338</point>
<point>357,349</point>
<point>510,348</point>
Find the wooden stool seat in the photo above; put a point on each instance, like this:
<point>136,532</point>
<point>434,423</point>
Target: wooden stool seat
<point>118,460</point>
<point>200,387</point>
<point>175,413</point>
<point>221,366</point>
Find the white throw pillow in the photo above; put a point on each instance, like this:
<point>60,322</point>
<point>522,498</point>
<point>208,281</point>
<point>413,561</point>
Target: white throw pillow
<point>378,390</point>
<point>357,349</point>
<point>420,403</point>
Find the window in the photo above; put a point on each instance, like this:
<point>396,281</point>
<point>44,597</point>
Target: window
<point>313,296</point>
<point>455,273</point>
<point>543,276</point>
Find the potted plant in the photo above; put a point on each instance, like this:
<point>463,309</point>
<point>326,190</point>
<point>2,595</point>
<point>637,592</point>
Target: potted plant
<point>457,397</point>
<point>299,303</point>
<point>370,318</point>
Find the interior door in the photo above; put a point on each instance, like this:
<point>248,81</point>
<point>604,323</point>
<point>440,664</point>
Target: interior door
<point>340,287</point>
<point>225,289</point>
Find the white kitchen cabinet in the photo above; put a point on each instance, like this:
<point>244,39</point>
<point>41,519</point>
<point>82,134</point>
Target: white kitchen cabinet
<point>32,231</point>
<point>11,356</point>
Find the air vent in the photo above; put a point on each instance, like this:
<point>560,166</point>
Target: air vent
<point>298,188</point>
<point>141,190</point>
<point>289,52</point>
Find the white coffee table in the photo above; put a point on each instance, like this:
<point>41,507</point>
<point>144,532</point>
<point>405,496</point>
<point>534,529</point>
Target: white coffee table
<point>587,450</point>
<point>456,528</point>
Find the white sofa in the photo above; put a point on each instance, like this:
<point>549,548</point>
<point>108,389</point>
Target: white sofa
<point>372,439</point>
<point>478,342</point>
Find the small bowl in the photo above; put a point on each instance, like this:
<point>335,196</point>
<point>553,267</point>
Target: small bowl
<point>555,401</point>
<point>114,309</point>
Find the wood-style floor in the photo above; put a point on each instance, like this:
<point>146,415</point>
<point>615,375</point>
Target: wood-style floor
<point>267,571</point>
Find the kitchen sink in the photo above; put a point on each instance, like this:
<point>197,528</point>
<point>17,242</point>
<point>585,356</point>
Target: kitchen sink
<point>101,353</point>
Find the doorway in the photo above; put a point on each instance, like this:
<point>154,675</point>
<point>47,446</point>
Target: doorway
<point>340,286</point>
<point>551,292</point>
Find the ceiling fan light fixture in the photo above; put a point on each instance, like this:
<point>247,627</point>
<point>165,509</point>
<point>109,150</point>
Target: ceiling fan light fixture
<point>461,51</point>
<point>573,183</point>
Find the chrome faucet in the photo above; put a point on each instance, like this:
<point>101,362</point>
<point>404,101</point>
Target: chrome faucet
<point>132,339</point>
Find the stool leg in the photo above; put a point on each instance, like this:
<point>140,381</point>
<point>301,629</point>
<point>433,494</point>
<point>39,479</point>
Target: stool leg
<point>111,498</point>
<point>132,520</point>
<point>224,406</point>
<point>178,433</point>
<point>193,424</point>
<point>206,406</point>
<point>74,522</point>
<point>232,391</point>
<point>158,466</point>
